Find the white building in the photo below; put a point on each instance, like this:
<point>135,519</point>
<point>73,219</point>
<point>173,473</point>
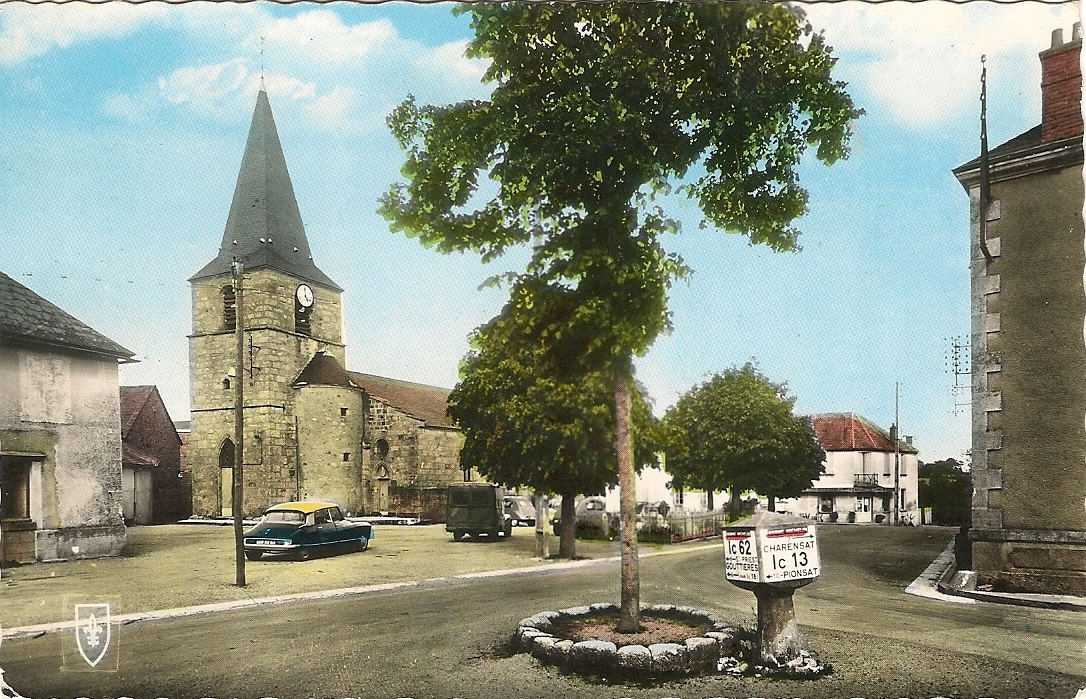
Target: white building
<point>858,485</point>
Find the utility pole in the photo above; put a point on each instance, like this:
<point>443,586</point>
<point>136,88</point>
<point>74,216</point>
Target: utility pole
<point>237,492</point>
<point>897,458</point>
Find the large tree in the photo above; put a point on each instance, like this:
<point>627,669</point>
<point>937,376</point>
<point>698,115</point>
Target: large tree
<point>597,108</point>
<point>737,431</point>
<point>534,418</point>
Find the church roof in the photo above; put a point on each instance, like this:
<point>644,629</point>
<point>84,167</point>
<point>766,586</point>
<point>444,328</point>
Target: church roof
<point>426,403</point>
<point>324,370</point>
<point>264,227</point>
<point>28,318</point>
<point>850,432</point>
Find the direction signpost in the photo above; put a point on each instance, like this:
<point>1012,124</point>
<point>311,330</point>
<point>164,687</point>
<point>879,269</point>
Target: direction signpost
<point>773,555</point>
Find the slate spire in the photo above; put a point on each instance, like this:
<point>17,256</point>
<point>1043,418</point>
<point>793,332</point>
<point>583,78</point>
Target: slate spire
<point>264,228</point>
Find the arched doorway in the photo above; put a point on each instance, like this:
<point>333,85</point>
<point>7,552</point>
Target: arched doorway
<point>382,488</point>
<point>226,478</point>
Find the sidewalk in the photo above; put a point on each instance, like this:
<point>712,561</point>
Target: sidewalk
<point>943,582</point>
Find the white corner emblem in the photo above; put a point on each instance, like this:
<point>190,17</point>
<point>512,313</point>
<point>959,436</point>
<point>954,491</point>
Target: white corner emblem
<point>92,631</point>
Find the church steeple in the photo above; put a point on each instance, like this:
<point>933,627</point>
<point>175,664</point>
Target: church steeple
<point>264,228</point>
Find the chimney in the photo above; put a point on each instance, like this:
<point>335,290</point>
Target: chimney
<point>1061,87</point>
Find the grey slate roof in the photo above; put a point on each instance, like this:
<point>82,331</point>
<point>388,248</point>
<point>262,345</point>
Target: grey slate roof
<point>1021,142</point>
<point>26,318</point>
<point>264,228</point>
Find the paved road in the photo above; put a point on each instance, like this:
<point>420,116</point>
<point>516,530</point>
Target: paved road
<point>451,640</point>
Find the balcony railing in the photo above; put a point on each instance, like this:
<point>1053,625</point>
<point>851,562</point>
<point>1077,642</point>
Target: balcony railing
<point>866,479</point>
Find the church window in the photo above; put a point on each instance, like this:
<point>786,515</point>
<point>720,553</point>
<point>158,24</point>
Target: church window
<point>346,456</point>
<point>343,412</point>
<point>229,307</point>
<point>226,383</point>
<point>382,448</point>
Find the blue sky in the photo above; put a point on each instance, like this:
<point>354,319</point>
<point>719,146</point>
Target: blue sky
<point>122,129</point>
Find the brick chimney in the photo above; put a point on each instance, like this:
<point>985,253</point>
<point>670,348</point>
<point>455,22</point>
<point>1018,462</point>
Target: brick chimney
<point>1061,87</point>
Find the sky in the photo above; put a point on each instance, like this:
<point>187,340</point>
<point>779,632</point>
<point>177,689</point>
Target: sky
<point>122,129</point>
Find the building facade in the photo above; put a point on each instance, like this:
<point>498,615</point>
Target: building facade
<point>1028,528</point>
<point>862,464</point>
<point>313,430</point>
<point>60,433</point>
<point>154,490</point>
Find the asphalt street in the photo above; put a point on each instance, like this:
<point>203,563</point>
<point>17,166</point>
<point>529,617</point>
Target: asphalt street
<point>452,640</point>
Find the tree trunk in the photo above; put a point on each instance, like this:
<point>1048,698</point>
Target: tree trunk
<point>567,543</point>
<point>733,505</point>
<point>629,615</point>
<point>709,500</point>
<point>772,503</point>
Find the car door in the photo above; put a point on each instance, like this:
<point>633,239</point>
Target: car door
<point>326,528</point>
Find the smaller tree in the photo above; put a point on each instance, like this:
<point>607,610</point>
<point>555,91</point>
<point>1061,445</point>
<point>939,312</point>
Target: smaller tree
<point>737,431</point>
<point>947,488</point>
<point>533,417</point>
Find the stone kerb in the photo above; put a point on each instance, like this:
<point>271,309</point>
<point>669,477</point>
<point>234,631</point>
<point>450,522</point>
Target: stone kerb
<point>697,655</point>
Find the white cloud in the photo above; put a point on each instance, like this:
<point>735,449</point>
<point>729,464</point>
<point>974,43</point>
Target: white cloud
<point>451,58</point>
<point>922,61</point>
<point>29,31</point>
<point>331,74</point>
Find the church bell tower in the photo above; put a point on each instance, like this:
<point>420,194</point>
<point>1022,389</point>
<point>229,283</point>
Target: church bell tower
<point>291,312</point>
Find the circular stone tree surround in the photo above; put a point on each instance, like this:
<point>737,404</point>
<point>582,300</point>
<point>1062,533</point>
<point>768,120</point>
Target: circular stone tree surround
<point>697,655</point>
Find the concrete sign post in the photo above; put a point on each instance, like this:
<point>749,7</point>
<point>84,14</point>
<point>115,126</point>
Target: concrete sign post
<point>772,555</point>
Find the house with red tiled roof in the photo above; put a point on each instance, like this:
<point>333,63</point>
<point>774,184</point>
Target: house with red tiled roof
<point>152,482</point>
<point>312,429</point>
<point>863,462</point>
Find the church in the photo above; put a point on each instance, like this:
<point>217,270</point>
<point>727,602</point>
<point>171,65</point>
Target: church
<point>312,429</point>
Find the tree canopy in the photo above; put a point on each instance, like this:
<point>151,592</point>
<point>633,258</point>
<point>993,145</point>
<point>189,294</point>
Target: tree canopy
<point>597,109</point>
<point>535,419</point>
<point>737,431</point>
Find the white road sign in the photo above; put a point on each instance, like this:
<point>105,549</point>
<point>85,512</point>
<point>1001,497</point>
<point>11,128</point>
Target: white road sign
<point>740,556</point>
<point>788,553</point>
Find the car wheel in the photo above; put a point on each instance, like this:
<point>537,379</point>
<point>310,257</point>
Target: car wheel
<point>305,554</point>
<point>363,544</point>
<point>254,555</point>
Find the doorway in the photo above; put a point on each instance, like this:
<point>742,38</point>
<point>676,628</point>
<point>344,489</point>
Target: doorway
<point>226,478</point>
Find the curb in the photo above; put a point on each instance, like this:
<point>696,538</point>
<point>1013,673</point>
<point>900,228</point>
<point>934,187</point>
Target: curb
<point>38,630</point>
<point>935,583</point>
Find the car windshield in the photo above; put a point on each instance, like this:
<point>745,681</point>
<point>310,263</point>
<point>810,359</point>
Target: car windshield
<point>292,516</point>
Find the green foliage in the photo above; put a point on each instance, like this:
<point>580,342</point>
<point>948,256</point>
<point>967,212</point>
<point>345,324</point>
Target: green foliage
<point>597,109</point>
<point>531,416</point>
<point>736,431</point>
<point>947,488</point>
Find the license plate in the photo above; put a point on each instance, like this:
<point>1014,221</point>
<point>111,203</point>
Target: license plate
<point>267,542</point>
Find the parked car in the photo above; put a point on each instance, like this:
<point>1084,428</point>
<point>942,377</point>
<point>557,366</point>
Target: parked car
<point>304,528</point>
<point>650,514</point>
<point>474,509</point>
<point>521,510</point>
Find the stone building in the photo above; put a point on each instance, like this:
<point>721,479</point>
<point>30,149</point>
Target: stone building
<point>1029,363</point>
<point>312,429</point>
<point>60,433</point>
<point>154,490</point>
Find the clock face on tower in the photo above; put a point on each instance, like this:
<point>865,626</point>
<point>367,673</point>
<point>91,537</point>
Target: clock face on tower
<point>304,294</point>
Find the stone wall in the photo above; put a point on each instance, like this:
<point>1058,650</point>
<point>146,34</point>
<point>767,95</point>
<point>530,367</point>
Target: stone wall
<point>330,422</point>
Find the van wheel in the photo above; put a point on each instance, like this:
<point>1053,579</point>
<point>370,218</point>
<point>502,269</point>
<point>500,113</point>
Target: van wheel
<point>492,534</point>
<point>508,529</point>
<point>458,534</point>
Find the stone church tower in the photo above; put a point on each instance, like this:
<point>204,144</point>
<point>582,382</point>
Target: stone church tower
<point>313,430</point>
<point>292,312</point>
